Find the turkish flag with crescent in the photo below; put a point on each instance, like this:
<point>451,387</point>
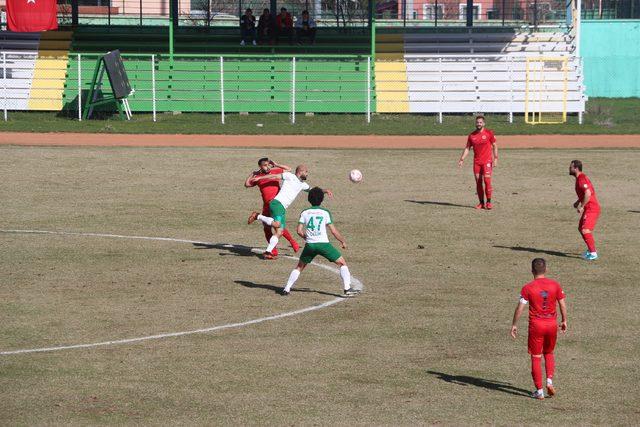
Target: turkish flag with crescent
<point>32,15</point>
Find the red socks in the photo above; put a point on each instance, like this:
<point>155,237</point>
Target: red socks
<point>590,241</point>
<point>549,364</point>
<point>289,237</point>
<point>480,190</point>
<point>536,371</point>
<point>487,187</point>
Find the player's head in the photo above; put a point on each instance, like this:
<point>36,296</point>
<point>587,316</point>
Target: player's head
<point>302,172</point>
<point>479,122</point>
<point>574,167</point>
<point>316,196</point>
<point>538,266</point>
<point>264,164</point>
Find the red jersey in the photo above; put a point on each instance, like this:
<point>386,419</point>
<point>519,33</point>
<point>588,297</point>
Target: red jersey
<point>269,187</point>
<point>583,184</point>
<point>481,142</point>
<point>542,296</point>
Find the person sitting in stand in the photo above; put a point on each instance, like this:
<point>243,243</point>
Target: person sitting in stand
<point>266,27</point>
<point>305,27</point>
<point>284,25</point>
<point>248,27</point>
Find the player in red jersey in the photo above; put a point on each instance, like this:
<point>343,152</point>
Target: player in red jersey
<point>269,189</point>
<point>485,158</point>
<point>542,295</point>
<point>587,205</point>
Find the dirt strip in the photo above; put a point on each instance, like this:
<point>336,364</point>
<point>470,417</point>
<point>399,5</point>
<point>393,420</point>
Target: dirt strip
<point>311,141</point>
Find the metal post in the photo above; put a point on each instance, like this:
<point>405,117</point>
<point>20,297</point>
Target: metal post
<point>4,83</point>
<point>511,90</point>
<point>469,13</point>
<point>441,89</point>
<point>404,13</point>
<point>368,89</point>
<point>79,87</point>
<point>293,90</point>
<point>535,14</point>
<point>222,87</point>
<point>109,14</point>
<point>141,13</point>
<point>503,11</point>
<point>436,14</point>
<point>153,85</point>
<point>74,13</point>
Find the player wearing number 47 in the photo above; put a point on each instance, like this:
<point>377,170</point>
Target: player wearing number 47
<point>312,227</point>
<point>292,185</point>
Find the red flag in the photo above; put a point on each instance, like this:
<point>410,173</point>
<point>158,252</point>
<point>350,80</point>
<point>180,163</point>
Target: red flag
<point>32,15</point>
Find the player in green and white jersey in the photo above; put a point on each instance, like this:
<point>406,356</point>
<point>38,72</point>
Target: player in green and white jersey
<point>292,185</point>
<point>312,227</point>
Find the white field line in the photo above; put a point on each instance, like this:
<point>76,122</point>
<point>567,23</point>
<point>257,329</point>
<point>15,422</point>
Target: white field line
<point>355,283</point>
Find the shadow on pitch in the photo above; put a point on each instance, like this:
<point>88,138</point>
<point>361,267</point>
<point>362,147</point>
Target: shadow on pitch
<point>234,250</point>
<point>430,202</point>
<point>632,211</point>
<point>465,380</point>
<point>538,251</point>
<point>277,289</point>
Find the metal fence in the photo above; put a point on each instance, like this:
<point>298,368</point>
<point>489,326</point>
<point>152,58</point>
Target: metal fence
<point>195,83</point>
<point>611,9</point>
<point>426,13</point>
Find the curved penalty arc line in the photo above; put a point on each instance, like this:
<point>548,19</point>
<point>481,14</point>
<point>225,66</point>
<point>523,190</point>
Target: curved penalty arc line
<point>355,282</point>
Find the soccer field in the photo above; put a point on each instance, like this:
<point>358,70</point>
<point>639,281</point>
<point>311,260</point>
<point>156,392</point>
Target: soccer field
<point>426,343</point>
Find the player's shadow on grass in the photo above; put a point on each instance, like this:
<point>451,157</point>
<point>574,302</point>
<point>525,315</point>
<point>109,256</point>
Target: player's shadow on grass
<point>632,211</point>
<point>431,202</point>
<point>538,251</point>
<point>235,250</point>
<point>278,289</point>
<point>465,380</point>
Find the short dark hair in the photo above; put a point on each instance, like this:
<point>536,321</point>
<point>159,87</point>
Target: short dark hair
<point>305,12</point>
<point>266,10</point>
<point>248,10</point>
<point>577,164</point>
<point>264,159</point>
<point>538,266</point>
<point>480,116</point>
<point>283,9</point>
<point>316,196</point>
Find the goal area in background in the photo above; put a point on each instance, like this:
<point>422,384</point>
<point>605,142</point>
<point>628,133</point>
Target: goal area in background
<point>546,90</point>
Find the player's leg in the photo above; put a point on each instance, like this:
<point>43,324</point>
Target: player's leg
<point>488,188</point>
<point>293,277</point>
<point>586,226</point>
<point>479,188</point>
<point>278,214</point>
<point>291,240</point>
<point>332,254</point>
<point>535,344</point>
<point>548,346</point>
<point>268,232</point>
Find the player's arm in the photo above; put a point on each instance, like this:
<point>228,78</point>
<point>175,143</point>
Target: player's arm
<point>250,182</point>
<point>585,200</point>
<point>494,146</point>
<point>563,313</point>
<point>516,316</point>
<point>278,165</point>
<point>332,228</point>
<point>465,153</point>
<point>270,176</point>
<point>300,230</point>
<point>328,192</point>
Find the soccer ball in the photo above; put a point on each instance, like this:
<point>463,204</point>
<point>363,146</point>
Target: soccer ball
<point>355,176</point>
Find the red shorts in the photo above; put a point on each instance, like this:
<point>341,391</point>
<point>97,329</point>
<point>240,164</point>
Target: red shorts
<point>589,219</point>
<point>542,336</point>
<point>482,168</point>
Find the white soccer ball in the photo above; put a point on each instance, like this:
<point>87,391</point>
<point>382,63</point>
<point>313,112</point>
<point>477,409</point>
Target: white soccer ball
<point>355,175</point>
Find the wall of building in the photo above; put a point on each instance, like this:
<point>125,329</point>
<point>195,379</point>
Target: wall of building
<point>611,54</point>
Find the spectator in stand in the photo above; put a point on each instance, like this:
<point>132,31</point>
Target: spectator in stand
<point>305,27</point>
<point>266,27</point>
<point>284,26</point>
<point>248,27</point>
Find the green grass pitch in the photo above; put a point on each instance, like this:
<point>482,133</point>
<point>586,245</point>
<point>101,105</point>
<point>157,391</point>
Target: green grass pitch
<point>426,343</point>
